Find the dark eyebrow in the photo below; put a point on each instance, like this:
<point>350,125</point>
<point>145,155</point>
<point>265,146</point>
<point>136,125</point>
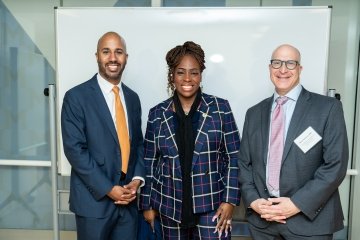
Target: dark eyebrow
<point>117,49</point>
<point>191,69</point>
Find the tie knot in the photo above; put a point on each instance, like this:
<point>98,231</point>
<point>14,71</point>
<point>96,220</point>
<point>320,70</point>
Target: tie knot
<point>281,100</point>
<point>116,90</point>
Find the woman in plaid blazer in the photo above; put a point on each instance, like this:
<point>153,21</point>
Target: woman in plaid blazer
<point>191,154</point>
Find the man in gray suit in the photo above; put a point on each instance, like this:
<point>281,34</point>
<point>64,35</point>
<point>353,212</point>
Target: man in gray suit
<point>299,199</point>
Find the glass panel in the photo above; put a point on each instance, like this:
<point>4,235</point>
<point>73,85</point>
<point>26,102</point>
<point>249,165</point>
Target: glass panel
<point>194,3</point>
<point>25,73</point>
<point>24,203</point>
<point>302,2</point>
<point>133,3</point>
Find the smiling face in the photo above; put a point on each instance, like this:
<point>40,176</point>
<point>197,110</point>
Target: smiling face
<point>187,78</point>
<point>284,79</point>
<point>111,57</point>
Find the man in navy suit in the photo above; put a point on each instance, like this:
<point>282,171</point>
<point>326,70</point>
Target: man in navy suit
<point>102,193</point>
<point>304,202</point>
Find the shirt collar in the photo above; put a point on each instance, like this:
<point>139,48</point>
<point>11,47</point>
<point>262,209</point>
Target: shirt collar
<point>105,85</point>
<point>293,94</point>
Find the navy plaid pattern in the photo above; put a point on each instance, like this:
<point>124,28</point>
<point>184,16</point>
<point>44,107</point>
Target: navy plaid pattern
<point>215,160</point>
<point>171,229</point>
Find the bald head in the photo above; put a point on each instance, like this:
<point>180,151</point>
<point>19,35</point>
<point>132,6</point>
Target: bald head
<point>111,35</point>
<point>288,48</point>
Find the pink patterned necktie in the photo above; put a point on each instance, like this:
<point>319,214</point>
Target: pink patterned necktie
<point>276,144</point>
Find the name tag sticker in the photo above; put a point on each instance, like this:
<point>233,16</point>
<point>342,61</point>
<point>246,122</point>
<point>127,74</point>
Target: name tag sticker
<point>307,139</point>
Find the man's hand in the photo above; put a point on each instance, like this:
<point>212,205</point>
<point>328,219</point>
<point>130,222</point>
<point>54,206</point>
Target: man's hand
<point>130,194</point>
<point>282,205</point>
<point>121,195</point>
<point>275,209</point>
<point>133,185</point>
<point>259,204</point>
<point>268,210</point>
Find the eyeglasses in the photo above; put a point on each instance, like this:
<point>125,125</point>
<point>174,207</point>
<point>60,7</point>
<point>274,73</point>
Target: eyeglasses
<point>290,64</point>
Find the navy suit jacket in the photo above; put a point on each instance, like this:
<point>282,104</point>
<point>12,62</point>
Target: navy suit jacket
<point>92,148</point>
<point>310,179</point>
<point>215,169</point>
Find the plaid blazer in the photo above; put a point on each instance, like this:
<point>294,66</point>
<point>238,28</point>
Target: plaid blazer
<point>215,168</point>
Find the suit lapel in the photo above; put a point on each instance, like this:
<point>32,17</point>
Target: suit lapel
<point>203,127</point>
<point>102,107</point>
<point>297,120</point>
<point>129,110</point>
<point>168,130</point>
<point>265,126</point>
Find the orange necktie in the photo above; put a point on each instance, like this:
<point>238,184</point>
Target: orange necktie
<point>122,131</point>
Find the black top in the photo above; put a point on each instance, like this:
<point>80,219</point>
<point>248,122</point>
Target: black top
<point>185,135</point>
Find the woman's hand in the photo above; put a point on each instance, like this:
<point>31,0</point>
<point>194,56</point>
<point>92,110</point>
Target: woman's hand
<point>150,216</point>
<point>224,216</point>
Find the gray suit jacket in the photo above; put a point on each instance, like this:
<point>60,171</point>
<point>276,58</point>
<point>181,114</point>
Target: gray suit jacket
<point>310,179</point>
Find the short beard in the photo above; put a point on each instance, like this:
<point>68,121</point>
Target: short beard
<point>112,79</point>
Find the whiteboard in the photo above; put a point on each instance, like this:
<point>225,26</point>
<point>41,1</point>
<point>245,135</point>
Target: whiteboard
<point>238,43</point>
